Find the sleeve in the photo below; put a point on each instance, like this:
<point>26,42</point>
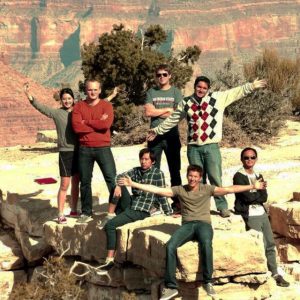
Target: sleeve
<point>44,109</point>
<point>129,173</point>
<point>149,99</point>
<point>234,94</point>
<point>172,120</point>
<point>166,207</point>
<point>259,196</point>
<point>103,124</point>
<point>77,121</point>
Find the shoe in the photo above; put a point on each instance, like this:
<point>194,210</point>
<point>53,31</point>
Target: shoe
<point>74,214</point>
<point>225,213</point>
<point>84,219</point>
<point>280,281</point>
<point>155,212</point>
<point>62,220</point>
<point>168,294</point>
<point>102,223</point>
<point>209,289</point>
<point>104,269</point>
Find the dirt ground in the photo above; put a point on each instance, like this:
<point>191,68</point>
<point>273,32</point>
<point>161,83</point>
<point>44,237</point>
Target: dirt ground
<point>279,162</point>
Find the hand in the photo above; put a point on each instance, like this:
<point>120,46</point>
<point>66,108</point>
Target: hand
<point>257,84</point>
<point>82,122</point>
<point>151,135</point>
<point>116,91</point>
<point>260,184</point>
<point>126,180</point>
<point>104,117</point>
<point>118,192</point>
<point>26,91</point>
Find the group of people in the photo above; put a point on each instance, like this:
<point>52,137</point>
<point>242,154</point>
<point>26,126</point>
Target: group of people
<point>84,138</point>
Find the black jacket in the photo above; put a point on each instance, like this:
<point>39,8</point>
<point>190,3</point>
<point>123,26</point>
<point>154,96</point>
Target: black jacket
<point>244,199</point>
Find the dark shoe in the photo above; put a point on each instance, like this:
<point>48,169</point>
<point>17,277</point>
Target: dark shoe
<point>209,289</point>
<point>103,270</point>
<point>102,223</point>
<point>74,214</point>
<point>280,281</point>
<point>225,213</point>
<point>84,219</point>
<point>168,294</point>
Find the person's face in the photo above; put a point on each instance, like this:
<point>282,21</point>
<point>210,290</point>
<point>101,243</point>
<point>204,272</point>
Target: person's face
<point>194,178</point>
<point>249,159</point>
<point>146,161</point>
<point>163,77</point>
<point>201,89</point>
<point>93,90</point>
<point>67,101</point>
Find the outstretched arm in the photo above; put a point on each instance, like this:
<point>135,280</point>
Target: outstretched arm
<point>113,94</point>
<point>259,185</point>
<point>167,192</point>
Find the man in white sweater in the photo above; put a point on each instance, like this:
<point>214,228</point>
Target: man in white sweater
<point>204,111</point>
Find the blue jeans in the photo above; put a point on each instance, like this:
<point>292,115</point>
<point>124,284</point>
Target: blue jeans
<point>87,157</point>
<point>193,230</point>
<point>208,157</point>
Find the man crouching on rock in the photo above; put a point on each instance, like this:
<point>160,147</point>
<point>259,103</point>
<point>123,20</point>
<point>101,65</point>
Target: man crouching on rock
<point>135,207</point>
<point>196,222</point>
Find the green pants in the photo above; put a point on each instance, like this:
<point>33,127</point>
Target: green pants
<point>262,224</point>
<point>194,230</point>
<point>208,157</point>
<point>128,216</point>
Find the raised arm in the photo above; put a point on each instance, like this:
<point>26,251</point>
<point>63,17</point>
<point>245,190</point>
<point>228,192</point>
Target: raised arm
<point>126,180</point>
<point>259,185</point>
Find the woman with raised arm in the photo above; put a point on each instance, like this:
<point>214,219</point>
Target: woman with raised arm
<point>67,147</point>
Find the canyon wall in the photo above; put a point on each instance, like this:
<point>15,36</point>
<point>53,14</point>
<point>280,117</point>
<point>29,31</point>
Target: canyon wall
<point>42,39</point>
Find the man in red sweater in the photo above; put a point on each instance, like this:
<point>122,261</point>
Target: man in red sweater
<point>91,120</point>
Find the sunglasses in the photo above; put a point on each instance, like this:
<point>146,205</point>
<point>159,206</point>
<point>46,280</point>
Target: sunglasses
<point>158,75</point>
<point>249,157</point>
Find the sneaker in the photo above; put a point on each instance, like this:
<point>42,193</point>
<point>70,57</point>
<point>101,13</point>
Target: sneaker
<point>61,220</point>
<point>74,214</point>
<point>225,213</point>
<point>280,281</point>
<point>104,269</point>
<point>155,212</point>
<point>84,219</point>
<point>209,289</point>
<point>168,293</point>
<point>102,223</point>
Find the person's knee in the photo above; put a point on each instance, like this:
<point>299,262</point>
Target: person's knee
<point>171,247</point>
<point>110,226</point>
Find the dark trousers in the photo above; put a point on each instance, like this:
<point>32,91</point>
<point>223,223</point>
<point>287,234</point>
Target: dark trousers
<point>87,157</point>
<point>123,202</point>
<point>262,224</point>
<point>171,145</point>
<point>128,216</point>
<point>194,230</point>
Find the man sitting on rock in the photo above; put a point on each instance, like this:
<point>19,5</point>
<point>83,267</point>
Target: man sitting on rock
<point>249,204</point>
<point>138,206</point>
<point>196,222</point>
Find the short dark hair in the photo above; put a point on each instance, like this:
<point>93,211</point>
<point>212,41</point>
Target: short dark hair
<point>165,67</point>
<point>66,91</point>
<point>194,168</point>
<point>247,149</point>
<point>145,151</point>
<point>202,78</point>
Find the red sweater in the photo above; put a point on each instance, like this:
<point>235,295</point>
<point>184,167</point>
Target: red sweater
<point>93,132</point>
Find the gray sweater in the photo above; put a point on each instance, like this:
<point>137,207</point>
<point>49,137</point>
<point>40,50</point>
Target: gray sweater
<point>66,137</point>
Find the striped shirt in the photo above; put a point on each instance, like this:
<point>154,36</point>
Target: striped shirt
<point>144,201</point>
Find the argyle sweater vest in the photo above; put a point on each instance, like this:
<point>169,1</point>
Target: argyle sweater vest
<point>205,118</point>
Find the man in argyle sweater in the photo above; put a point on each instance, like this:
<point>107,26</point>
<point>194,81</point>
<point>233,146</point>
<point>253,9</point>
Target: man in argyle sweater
<point>204,112</point>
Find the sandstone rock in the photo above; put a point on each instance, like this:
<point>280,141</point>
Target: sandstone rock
<point>294,270</point>
<point>8,279</point>
<point>11,256</point>
<point>34,248</point>
<point>285,219</point>
<point>288,249</point>
<point>48,136</point>
<point>252,278</point>
<point>296,196</point>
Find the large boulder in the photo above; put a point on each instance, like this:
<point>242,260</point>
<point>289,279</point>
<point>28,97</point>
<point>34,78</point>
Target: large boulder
<point>8,281</point>
<point>285,219</point>
<point>288,249</point>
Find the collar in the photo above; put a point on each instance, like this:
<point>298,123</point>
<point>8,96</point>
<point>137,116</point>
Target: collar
<point>243,171</point>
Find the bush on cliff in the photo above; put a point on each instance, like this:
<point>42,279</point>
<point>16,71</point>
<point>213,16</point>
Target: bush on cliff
<point>54,283</point>
<point>123,57</point>
<point>261,114</point>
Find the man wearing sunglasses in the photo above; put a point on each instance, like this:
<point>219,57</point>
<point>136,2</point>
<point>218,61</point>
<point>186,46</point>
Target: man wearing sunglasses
<point>161,101</point>
<point>204,112</point>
